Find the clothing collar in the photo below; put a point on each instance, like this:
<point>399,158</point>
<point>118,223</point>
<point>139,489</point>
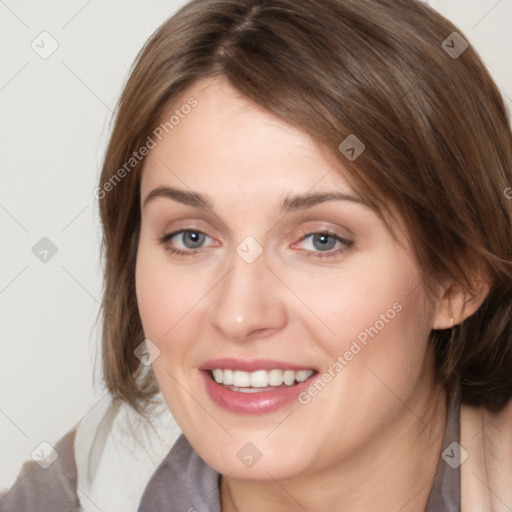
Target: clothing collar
<point>183,482</point>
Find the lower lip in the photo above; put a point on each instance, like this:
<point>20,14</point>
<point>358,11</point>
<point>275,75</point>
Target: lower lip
<point>253,403</point>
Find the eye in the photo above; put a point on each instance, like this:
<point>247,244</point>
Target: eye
<point>325,244</point>
<point>189,241</point>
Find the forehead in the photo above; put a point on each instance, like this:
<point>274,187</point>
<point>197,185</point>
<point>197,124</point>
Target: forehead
<point>227,140</point>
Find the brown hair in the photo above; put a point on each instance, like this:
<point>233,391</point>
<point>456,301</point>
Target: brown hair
<point>438,148</point>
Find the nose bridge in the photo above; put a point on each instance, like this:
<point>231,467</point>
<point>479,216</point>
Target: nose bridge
<point>245,300</point>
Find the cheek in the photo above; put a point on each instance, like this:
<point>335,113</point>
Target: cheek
<point>165,292</point>
<point>165,303</point>
<point>377,291</point>
<point>392,360</point>
<point>375,316</point>
<point>162,297</point>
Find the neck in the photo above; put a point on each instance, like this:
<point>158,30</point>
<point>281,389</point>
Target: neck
<point>396,471</point>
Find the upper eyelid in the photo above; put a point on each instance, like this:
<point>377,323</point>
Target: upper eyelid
<point>173,233</point>
<point>206,216</point>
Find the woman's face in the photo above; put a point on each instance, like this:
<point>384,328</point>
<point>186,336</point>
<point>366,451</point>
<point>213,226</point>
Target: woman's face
<point>278,276</point>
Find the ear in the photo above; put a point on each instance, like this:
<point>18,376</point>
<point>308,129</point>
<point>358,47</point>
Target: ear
<point>454,304</point>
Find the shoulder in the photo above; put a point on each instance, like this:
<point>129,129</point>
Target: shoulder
<point>117,450</point>
<point>46,489</point>
<point>104,462</point>
<point>51,483</point>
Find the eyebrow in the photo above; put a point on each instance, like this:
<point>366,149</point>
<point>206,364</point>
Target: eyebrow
<point>290,203</point>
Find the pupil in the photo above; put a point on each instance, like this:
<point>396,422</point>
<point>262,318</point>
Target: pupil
<point>323,240</point>
<point>194,238</point>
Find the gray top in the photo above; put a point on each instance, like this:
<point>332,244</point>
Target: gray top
<point>183,482</point>
<point>445,494</point>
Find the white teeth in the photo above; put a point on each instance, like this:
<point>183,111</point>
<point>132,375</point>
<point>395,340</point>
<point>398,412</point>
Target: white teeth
<point>289,377</point>
<point>259,378</point>
<point>275,377</point>
<point>302,375</point>
<point>241,379</point>
<point>227,377</point>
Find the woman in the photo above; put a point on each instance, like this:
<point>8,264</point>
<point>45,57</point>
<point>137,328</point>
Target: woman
<point>307,242</point>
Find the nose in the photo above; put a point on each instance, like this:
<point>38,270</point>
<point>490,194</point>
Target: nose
<point>247,302</point>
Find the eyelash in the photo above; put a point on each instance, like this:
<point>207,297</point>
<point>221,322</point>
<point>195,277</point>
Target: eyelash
<point>321,255</point>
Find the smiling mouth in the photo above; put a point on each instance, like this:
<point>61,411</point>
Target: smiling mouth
<point>259,380</point>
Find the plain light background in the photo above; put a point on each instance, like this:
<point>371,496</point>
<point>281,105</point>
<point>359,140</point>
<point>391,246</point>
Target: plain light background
<point>54,125</point>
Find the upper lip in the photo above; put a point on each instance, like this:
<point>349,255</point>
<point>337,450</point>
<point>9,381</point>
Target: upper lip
<point>251,365</point>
